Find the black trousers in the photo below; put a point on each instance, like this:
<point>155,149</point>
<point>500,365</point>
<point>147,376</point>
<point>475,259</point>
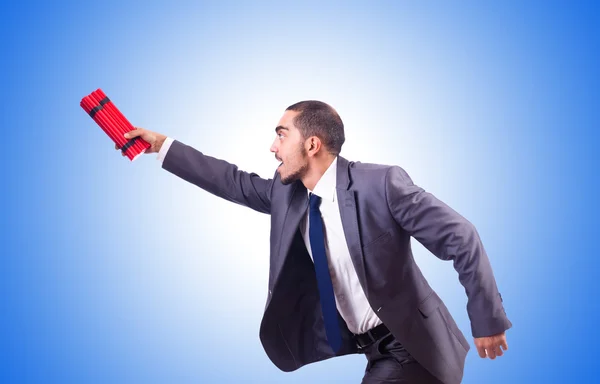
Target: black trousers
<point>389,362</point>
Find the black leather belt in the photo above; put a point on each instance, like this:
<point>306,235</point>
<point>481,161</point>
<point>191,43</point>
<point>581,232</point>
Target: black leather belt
<point>365,339</point>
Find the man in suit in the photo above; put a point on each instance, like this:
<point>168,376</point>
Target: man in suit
<point>342,276</point>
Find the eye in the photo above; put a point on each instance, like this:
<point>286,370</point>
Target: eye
<point>280,135</point>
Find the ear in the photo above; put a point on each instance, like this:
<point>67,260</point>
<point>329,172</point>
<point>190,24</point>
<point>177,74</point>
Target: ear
<point>313,145</point>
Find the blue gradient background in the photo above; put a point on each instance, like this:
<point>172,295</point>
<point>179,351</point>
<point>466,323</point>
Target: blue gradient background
<point>118,272</point>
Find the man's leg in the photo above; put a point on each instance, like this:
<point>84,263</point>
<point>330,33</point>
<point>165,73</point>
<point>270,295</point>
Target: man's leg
<point>389,362</point>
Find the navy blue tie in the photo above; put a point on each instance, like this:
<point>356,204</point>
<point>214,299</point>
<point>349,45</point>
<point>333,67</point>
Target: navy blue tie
<point>317,245</point>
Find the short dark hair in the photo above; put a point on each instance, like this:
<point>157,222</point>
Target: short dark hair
<point>316,118</point>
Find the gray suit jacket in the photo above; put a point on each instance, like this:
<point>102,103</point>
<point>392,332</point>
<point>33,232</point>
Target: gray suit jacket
<point>381,209</point>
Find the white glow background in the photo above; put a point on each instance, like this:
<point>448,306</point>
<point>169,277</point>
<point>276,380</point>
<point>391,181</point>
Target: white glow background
<point>119,272</point>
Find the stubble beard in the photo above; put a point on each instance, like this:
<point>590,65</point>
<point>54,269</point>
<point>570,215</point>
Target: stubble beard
<point>298,173</point>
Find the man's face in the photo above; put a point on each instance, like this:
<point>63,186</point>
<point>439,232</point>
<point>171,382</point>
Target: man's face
<point>288,148</point>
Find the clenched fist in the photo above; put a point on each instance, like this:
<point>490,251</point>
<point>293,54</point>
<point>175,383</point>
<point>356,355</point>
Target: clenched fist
<point>491,346</point>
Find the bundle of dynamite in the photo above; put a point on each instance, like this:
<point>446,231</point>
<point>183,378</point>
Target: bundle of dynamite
<point>113,123</point>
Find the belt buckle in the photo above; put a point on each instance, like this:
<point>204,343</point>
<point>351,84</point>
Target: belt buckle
<point>371,341</point>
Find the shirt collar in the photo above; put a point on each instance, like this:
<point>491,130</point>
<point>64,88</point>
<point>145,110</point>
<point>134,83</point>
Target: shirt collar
<point>326,185</point>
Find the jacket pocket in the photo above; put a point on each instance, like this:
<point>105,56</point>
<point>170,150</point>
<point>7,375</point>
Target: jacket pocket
<point>428,305</point>
<point>382,239</point>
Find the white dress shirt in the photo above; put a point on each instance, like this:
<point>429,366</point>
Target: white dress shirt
<point>350,298</point>
<point>164,149</point>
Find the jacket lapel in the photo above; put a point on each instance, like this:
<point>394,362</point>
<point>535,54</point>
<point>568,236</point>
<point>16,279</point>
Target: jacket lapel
<point>296,210</point>
<point>349,215</point>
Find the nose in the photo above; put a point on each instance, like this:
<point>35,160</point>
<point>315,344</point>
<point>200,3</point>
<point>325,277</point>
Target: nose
<point>274,146</point>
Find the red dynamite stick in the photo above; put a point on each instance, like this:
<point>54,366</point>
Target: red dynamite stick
<point>139,145</point>
<point>115,111</point>
<point>89,104</point>
<point>118,129</point>
<point>103,121</point>
<point>99,119</point>
<point>83,105</point>
<point>122,127</point>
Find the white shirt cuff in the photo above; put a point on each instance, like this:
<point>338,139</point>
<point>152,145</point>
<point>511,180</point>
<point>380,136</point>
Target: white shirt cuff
<point>164,149</point>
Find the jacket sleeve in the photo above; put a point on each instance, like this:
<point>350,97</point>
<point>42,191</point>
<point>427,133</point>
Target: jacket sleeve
<point>219,177</point>
<point>449,236</point>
